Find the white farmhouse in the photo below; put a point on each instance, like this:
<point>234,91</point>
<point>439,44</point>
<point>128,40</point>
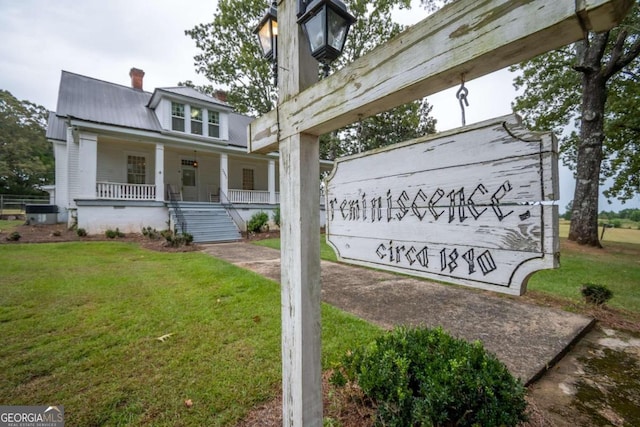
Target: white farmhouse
<point>129,159</point>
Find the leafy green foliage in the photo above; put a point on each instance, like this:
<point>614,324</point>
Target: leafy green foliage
<point>81,232</point>
<point>257,222</point>
<point>151,233</point>
<point>420,376</point>
<point>26,158</point>
<point>276,216</point>
<point>596,294</point>
<point>175,240</point>
<point>593,86</point>
<point>14,237</point>
<point>112,234</point>
<point>230,56</point>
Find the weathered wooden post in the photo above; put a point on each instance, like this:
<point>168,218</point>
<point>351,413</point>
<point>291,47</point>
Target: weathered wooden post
<point>469,38</point>
<point>300,237</point>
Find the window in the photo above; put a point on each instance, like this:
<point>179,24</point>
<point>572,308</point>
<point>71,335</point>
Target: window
<point>177,116</point>
<point>136,170</point>
<point>247,179</point>
<point>214,124</point>
<point>196,121</point>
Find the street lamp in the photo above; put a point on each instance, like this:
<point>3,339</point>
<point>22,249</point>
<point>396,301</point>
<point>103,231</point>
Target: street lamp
<point>326,24</point>
<point>267,32</point>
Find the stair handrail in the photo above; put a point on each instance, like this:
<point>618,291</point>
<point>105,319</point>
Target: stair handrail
<point>173,204</point>
<point>232,211</point>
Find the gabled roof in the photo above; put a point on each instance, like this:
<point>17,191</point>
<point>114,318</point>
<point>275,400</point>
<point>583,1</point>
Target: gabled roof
<point>185,91</point>
<point>92,100</point>
<point>102,102</point>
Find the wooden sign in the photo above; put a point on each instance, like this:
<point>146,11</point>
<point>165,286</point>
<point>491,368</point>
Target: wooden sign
<point>470,206</point>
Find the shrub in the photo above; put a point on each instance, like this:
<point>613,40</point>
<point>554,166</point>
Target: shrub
<point>112,234</point>
<point>276,216</point>
<point>14,237</point>
<point>419,376</point>
<point>616,223</point>
<point>257,222</point>
<point>177,240</point>
<point>81,232</point>
<point>151,233</point>
<point>596,294</point>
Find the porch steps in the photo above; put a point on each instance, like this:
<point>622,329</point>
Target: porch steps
<point>208,222</point>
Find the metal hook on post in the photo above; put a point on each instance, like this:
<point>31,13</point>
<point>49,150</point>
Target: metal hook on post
<point>462,98</point>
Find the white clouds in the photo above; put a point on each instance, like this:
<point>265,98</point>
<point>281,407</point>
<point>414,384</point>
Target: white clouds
<point>101,39</point>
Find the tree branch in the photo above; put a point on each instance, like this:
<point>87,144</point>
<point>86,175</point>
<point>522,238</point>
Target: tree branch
<point>622,59</point>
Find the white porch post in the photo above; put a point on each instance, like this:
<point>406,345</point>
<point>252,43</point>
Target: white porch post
<point>87,165</point>
<point>224,174</point>
<point>272,182</point>
<point>159,172</point>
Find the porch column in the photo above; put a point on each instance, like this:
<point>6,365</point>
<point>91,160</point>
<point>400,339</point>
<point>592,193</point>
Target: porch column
<point>159,172</point>
<point>87,166</point>
<point>272,182</point>
<point>224,175</point>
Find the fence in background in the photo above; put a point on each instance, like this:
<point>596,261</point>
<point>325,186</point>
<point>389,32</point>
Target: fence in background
<point>13,204</point>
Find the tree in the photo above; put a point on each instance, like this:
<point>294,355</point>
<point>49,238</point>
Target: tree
<point>26,158</point>
<point>594,86</point>
<point>230,56</point>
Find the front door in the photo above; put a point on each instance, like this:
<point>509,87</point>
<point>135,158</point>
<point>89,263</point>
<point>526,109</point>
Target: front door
<point>189,182</point>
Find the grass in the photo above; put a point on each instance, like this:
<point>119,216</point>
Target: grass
<point>80,324</point>
<point>617,266</point>
<point>326,252</point>
<point>9,225</point>
<point>623,235</point>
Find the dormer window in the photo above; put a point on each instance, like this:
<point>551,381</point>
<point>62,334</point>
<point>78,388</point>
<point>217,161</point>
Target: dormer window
<point>177,117</point>
<point>196,120</point>
<point>214,124</point>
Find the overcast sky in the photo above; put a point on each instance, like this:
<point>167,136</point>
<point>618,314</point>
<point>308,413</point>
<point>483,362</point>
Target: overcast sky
<point>105,39</point>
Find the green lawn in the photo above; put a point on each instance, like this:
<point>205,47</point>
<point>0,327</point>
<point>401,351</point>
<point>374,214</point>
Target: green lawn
<point>8,226</point>
<point>617,266</point>
<point>80,324</point>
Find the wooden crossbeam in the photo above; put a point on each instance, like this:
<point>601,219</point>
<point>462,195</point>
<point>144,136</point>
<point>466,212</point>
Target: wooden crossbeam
<point>468,37</point>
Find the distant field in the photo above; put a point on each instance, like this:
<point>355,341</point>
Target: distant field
<point>622,235</point>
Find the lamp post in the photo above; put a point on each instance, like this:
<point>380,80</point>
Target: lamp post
<point>325,23</point>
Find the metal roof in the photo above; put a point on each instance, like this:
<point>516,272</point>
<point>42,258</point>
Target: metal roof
<point>98,101</point>
<point>93,100</point>
<point>56,127</point>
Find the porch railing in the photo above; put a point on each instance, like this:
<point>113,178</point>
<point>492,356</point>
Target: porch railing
<point>233,213</point>
<point>248,196</point>
<point>120,191</point>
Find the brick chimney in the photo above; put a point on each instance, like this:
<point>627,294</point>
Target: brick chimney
<point>136,78</point>
<point>221,95</point>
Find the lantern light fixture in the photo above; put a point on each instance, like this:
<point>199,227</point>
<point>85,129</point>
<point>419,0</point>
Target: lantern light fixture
<point>326,24</point>
<point>267,32</point>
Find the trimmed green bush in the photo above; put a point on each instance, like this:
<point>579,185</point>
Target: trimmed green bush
<point>257,222</point>
<point>81,232</point>
<point>425,377</point>
<point>151,233</point>
<point>596,294</point>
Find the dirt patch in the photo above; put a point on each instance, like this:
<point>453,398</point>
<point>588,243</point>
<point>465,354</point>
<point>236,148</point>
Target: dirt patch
<point>56,233</point>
